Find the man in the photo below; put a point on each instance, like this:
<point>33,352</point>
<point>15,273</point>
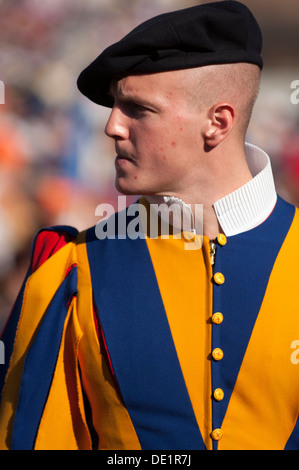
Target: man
<point>140,342</point>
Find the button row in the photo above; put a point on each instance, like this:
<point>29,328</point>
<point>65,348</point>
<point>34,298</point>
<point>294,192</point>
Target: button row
<point>217,353</point>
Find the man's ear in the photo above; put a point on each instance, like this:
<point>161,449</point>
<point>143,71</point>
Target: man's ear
<point>221,120</point>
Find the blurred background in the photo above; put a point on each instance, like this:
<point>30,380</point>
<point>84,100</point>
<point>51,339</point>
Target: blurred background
<point>56,165</point>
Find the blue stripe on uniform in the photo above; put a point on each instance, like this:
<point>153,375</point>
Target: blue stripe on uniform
<point>9,333</point>
<point>140,344</point>
<point>39,367</point>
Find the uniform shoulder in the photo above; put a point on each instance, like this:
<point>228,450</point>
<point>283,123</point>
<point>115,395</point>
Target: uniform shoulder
<point>48,241</point>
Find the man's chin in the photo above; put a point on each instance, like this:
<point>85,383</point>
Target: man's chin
<point>130,188</point>
<point>126,189</point>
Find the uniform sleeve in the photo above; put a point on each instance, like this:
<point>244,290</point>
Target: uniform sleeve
<point>46,243</point>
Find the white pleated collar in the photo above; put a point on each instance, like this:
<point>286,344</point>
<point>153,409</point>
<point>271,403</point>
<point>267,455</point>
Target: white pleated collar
<point>252,203</point>
<point>240,211</point>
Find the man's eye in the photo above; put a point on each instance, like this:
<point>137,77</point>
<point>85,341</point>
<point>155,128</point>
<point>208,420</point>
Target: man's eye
<point>133,109</point>
<point>138,107</point>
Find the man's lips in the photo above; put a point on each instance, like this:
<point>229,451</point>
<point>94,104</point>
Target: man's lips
<point>123,159</point>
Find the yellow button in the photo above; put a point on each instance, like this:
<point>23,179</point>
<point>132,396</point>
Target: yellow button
<point>219,278</point>
<point>221,238</point>
<point>217,434</point>
<point>217,354</point>
<point>217,318</point>
<point>218,394</point>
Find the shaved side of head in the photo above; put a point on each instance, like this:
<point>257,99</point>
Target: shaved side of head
<point>237,84</point>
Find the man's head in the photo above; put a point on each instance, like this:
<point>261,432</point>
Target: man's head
<point>179,85</point>
<point>163,124</point>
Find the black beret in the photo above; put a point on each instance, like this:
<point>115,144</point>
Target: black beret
<point>212,33</point>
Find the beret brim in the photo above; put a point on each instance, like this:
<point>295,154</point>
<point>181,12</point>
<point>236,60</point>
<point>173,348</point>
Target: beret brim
<point>208,34</point>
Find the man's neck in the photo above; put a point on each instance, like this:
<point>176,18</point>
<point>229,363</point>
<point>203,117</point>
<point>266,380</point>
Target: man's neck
<point>230,209</point>
<point>206,196</point>
<point>211,226</point>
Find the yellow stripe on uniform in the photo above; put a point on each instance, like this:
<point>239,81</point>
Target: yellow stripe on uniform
<point>187,299</point>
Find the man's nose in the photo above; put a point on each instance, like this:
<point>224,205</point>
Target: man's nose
<point>116,126</point>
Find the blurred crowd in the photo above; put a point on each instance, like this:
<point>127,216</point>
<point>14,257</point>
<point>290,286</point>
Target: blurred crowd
<point>56,165</point>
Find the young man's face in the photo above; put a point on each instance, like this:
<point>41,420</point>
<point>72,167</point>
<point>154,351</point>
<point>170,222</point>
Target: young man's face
<point>157,134</point>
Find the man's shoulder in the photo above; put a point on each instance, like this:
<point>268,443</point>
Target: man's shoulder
<point>48,241</point>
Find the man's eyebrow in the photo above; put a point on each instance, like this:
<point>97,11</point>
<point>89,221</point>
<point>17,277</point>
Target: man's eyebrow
<point>114,92</point>
<point>117,93</point>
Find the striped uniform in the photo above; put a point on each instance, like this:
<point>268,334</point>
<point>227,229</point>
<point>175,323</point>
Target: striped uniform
<point>119,343</point>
